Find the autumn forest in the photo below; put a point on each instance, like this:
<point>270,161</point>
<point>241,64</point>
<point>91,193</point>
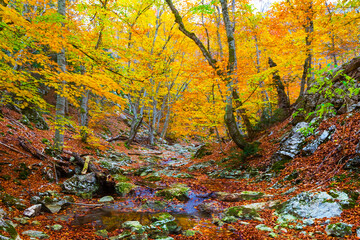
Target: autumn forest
<point>179,119</point>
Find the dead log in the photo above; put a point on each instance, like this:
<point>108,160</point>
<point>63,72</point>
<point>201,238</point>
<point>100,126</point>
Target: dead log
<point>118,137</point>
<point>26,145</point>
<point>106,182</point>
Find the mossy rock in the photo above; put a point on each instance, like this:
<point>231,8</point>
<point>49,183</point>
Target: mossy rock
<point>11,201</point>
<point>34,116</point>
<point>339,229</point>
<point>9,228</point>
<point>153,178</point>
<point>162,216</point>
<point>120,178</point>
<point>203,151</point>
<point>242,212</point>
<point>178,191</point>
<point>124,188</point>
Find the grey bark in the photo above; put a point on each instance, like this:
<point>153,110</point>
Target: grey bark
<point>60,100</point>
<point>229,111</point>
<point>283,99</point>
<point>306,76</point>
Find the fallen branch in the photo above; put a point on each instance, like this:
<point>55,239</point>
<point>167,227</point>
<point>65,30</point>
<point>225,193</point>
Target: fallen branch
<point>118,137</point>
<point>26,145</point>
<point>14,149</point>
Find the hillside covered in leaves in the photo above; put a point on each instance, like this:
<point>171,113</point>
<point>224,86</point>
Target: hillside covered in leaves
<point>170,119</point>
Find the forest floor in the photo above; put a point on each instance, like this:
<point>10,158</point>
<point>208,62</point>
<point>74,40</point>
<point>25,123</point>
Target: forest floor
<point>321,171</point>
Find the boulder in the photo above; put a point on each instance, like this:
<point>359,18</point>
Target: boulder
<point>81,184</point>
<point>313,146</point>
<point>317,204</point>
<point>51,201</point>
<point>208,207</point>
<point>178,191</point>
<point>124,188</point>
<point>291,144</point>
<point>34,116</point>
<point>32,211</point>
<point>338,229</point>
<point>134,226</point>
<point>243,213</point>
<point>106,199</point>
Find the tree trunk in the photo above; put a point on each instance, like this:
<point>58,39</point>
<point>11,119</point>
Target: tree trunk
<point>228,76</point>
<point>60,100</point>
<point>306,76</point>
<point>135,125</point>
<point>84,117</point>
<point>283,99</point>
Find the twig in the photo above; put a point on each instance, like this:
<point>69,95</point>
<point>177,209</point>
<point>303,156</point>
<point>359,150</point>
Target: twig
<point>14,149</point>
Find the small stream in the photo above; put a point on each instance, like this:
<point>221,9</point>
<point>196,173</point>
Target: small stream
<point>140,206</point>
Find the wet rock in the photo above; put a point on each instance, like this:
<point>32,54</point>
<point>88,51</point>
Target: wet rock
<point>32,211</point>
<point>132,225</point>
<point>202,165</point>
<point>317,205</point>
<point>178,191</point>
<point>162,216</point>
<point>35,234</point>
<point>313,146</point>
<point>339,229</point>
<point>81,184</point>
<point>208,207</point>
<point>155,205</point>
<point>106,199</point>
<point>124,188</point>
<point>291,145</point>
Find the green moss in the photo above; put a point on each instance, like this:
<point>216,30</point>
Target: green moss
<point>123,188</point>
<point>280,165</point>
<point>23,170</point>
<point>120,178</point>
<point>178,191</point>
